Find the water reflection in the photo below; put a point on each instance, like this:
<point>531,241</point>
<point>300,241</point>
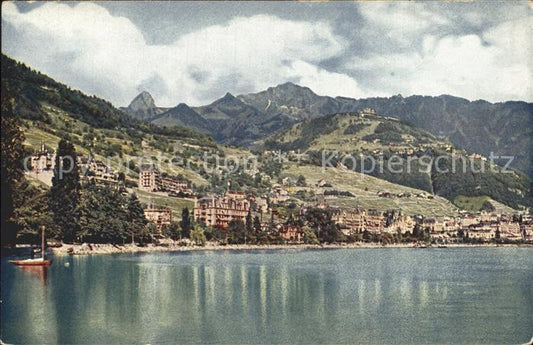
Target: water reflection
<point>259,298</point>
<point>38,271</point>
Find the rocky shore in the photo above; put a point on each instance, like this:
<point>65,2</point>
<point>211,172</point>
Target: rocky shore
<point>89,249</point>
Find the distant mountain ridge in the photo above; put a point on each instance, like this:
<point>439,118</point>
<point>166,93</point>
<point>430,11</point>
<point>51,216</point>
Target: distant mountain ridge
<point>181,115</point>
<point>505,129</point>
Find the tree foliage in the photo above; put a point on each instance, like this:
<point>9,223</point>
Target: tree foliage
<point>12,153</point>
<point>198,236</point>
<point>186,223</point>
<point>65,191</point>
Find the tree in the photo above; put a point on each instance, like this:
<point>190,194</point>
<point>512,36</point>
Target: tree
<point>488,206</point>
<point>418,232</point>
<point>136,219</point>
<point>321,222</point>
<point>104,215</point>
<point>255,233</point>
<point>12,153</point>
<point>257,225</point>
<point>121,177</point>
<point>145,236</point>
<point>172,230</point>
<point>309,236</point>
<point>89,215</point>
<point>185,223</point>
<point>497,235</point>
<point>198,235</point>
<point>65,191</point>
<point>237,231</point>
<point>31,212</point>
<point>301,181</point>
<point>249,226</point>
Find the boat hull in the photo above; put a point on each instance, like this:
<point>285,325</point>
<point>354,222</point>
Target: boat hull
<point>35,262</point>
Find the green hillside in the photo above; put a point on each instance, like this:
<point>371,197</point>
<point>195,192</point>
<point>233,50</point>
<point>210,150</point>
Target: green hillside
<point>50,111</point>
<point>402,154</point>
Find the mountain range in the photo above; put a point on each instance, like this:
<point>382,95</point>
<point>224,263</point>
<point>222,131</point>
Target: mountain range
<point>503,129</point>
<point>287,117</point>
<point>393,150</point>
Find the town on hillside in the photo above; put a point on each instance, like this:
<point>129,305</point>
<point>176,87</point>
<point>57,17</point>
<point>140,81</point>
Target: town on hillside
<point>280,220</point>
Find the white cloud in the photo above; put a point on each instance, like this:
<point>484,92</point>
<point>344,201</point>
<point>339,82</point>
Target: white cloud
<point>400,21</point>
<point>324,82</point>
<point>408,48</point>
<point>108,55</point>
<point>495,66</point>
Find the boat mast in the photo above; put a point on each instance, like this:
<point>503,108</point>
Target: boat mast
<point>42,241</point>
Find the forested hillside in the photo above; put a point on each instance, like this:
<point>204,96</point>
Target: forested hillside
<point>413,154</point>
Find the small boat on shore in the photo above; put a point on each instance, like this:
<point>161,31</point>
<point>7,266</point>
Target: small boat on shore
<point>34,262</point>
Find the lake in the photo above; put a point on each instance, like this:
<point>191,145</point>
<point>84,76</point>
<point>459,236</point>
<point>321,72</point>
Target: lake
<point>342,296</point>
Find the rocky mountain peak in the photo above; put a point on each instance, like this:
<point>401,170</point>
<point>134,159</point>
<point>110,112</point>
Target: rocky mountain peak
<point>293,89</point>
<point>143,101</point>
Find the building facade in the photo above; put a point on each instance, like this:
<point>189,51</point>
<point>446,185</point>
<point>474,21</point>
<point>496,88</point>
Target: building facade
<point>219,211</point>
<point>291,233</point>
<point>149,178</point>
<point>160,217</point>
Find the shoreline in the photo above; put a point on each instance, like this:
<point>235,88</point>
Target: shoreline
<point>98,249</point>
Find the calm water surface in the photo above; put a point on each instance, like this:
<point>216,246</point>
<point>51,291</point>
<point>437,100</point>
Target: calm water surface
<point>370,296</point>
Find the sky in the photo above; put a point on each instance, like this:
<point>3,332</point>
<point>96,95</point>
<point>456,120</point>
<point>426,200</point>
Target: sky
<point>195,52</point>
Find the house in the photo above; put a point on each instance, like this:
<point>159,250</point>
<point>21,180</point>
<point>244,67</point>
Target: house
<point>368,111</point>
<point>279,195</point>
<point>292,233</point>
<point>236,195</point>
<point>359,220</point>
<point>350,221</point>
<point>96,170</point>
<point>149,178</point>
<point>41,161</point>
<point>400,223</point>
<point>217,211</point>
<point>429,223</point>
<point>174,186</point>
<point>480,233</point>
<point>374,222</point>
<point>160,217</point>
<point>260,204</point>
<point>321,183</point>
<point>40,166</point>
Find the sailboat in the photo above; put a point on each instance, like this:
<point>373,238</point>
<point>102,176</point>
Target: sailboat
<point>35,262</point>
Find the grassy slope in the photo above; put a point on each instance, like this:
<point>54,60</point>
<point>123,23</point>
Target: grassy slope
<point>337,139</point>
<point>159,200</point>
<point>474,204</point>
<point>356,183</point>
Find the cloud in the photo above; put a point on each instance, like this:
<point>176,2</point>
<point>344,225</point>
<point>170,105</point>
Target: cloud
<point>408,48</point>
<point>88,48</point>
<point>399,23</point>
<point>495,65</point>
<point>325,82</point>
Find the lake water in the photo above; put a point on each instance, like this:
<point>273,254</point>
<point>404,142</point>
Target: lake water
<point>345,296</point>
